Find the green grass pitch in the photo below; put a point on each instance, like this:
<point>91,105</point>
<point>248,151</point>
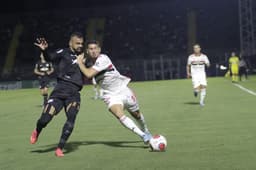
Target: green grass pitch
<point>220,136</point>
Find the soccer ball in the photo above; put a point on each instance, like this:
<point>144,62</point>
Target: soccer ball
<point>158,143</point>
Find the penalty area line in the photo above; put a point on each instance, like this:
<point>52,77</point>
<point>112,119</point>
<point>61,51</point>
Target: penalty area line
<point>245,89</point>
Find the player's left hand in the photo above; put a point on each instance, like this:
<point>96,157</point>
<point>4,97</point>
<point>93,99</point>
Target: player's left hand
<point>41,43</point>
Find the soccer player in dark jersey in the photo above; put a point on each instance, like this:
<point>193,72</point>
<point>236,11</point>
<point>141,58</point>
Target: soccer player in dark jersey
<point>66,93</point>
<point>43,70</point>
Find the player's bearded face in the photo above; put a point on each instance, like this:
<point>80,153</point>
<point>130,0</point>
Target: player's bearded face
<point>93,50</point>
<point>77,44</point>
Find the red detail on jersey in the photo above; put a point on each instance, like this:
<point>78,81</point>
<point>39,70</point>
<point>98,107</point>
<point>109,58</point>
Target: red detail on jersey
<point>201,62</point>
<point>110,66</point>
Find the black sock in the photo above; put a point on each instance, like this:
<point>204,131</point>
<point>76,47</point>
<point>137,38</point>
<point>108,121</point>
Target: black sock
<point>42,122</point>
<point>66,132</point>
<point>45,98</point>
<point>68,126</point>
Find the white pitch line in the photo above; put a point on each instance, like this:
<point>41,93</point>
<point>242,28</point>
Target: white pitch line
<point>245,89</point>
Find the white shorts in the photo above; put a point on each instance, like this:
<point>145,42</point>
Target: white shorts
<point>198,80</point>
<point>126,97</point>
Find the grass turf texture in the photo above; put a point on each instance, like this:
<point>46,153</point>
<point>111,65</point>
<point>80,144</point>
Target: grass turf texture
<point>219,136</point>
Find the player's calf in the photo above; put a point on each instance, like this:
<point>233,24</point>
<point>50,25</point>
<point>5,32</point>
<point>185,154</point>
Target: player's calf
<point>42,122</point>
<point>141,120</point>
<point>71,113</point>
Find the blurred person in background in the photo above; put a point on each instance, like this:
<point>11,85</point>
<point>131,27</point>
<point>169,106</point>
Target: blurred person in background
<point>196,70</point>
<point>234,66</point>
<point>243,68</point>
<point>43,70</point>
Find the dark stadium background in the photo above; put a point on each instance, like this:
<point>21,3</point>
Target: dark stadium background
<point>136,33</point>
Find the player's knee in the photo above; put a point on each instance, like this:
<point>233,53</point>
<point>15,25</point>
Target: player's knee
<point>117,110</point>
<point>136,114</point>
<point>73,107</point>
<point>50,109</point>
<point>72,111</point>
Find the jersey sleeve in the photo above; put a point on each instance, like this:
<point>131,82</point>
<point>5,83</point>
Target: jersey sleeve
<point>36,66</point>
<point>230,60</point>
<point>207,62</point>
<point>53,56</point>
<point>102,63</point>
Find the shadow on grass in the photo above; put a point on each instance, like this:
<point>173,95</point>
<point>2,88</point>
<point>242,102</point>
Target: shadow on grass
<point>73,146</point>
<point>192,103</point>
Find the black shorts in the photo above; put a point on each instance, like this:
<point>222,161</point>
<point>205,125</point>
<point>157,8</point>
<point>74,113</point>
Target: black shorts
<point>43,82</point>
<point>242,70</point>
<point>63,94</point>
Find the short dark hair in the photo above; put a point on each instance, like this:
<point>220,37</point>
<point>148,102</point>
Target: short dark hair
<point>92,42</point>
<point>76,34</point>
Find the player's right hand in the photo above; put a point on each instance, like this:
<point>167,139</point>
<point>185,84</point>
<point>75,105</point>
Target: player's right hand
<point>41,43</point>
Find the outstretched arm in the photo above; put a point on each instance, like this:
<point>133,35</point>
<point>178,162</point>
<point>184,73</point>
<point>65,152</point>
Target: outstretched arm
<point>42,44</point>
<point>188,71</point>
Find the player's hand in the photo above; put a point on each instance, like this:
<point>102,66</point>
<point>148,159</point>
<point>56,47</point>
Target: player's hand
<point>41,43</point>
<point>80,59</point>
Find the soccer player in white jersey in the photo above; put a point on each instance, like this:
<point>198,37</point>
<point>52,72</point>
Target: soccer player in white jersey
<point>196,69</point>
<point>116,94</point>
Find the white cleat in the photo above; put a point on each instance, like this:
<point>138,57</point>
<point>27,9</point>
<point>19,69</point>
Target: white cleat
<point>202,104</point>
<point>146,138</point>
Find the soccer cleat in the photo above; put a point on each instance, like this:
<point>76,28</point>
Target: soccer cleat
<point>33,137</point>
<point>59,153</point>
<point>146,137</point>
<point>202,104</point>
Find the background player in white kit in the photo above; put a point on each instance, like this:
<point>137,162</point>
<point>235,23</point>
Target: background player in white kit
<point>116,94</point>
<point>196,69</point>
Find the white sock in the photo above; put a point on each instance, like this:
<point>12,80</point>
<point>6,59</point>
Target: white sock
<point>101,93</point>
<point>96,92</point>
<point>142,123</point>
<point>127,122</point>
<point>202,95</point>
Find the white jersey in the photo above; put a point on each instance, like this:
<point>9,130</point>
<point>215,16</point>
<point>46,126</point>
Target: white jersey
<point>197,64</point>
<point>108,78</point>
